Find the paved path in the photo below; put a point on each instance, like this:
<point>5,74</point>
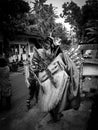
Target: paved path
<point>19,95</point>
<point>18,118</point>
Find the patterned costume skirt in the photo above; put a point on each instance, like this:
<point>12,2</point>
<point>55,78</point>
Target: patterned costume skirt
<point>51,95</point>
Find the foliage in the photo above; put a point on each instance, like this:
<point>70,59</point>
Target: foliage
<point>90,11</point>
<point>43,18</point>
<point>91,32</point>
<point>59,31</point>
<point>13,15</point>
<point>90,21</point>
<point>16,16</point>
<point>72,14</point>
<point>79,18</point>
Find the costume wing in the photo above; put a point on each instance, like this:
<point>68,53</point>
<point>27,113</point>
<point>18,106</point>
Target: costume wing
<point>67,81</point>
<point>76,56</point>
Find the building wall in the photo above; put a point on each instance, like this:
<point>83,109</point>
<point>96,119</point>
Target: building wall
<point>90,69</point>
<point>90,77</point>
<point>20,48</point>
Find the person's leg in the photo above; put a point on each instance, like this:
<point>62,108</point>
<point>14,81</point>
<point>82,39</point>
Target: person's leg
<point>37,92</point>
<point>31,95</point>
<point>29,99</point>
<point>53,115</point>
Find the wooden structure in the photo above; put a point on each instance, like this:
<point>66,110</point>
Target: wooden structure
<point>23,44</point>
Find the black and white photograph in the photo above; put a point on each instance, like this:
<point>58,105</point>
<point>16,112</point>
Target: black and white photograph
<point>48,64</point>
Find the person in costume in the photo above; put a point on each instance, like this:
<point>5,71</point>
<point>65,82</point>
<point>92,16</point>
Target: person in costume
<point>58,79</point>
<point>47,53</point>
<point>59,90</point>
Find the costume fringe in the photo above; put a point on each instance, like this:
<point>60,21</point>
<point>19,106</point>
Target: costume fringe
<point>51,96</point>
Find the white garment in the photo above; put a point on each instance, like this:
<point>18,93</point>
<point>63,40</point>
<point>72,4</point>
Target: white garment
<point>26,72</point>
<point>51,94</point>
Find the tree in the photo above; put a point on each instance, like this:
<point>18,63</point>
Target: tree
<point>60,32</point>
<point>91,32</point>
<point>90,21</point>
<point>90,11</point>
<point>43,17</point>
<point>12,18</point>
<point>43,20</point>
<point>72,14</point>
<point>79,18</point>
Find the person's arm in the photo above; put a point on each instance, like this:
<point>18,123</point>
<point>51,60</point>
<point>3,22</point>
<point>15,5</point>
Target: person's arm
<point>26,72</point>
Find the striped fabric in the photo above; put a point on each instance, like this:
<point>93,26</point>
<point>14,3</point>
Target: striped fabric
<point>76,56</point>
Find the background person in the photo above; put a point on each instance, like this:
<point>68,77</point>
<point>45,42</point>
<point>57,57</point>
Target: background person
<point>5,85</point>
<point>30,83</point>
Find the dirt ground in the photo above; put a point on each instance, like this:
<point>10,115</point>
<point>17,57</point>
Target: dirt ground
<point>19,118</point>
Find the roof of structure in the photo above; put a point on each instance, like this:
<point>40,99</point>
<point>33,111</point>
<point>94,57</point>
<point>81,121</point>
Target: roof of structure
<point>34,35</point>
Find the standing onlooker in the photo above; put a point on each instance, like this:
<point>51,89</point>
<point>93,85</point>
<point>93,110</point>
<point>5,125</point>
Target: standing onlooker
<point>5,85</point>
<point>30,83</point>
